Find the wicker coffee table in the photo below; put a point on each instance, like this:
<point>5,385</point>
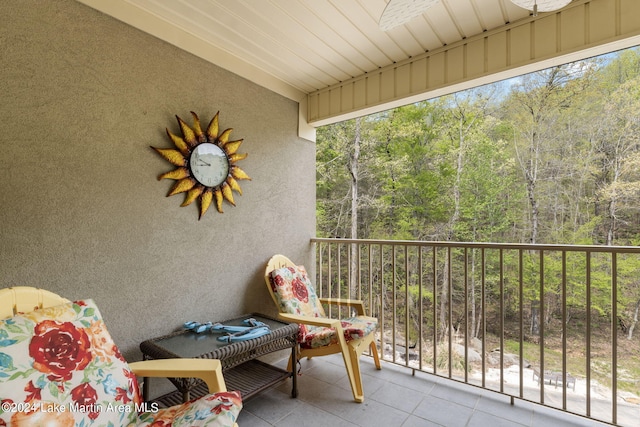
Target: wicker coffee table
<point>241,369</point>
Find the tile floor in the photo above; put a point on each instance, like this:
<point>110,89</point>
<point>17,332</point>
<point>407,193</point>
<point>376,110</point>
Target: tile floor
<point>393,397</point>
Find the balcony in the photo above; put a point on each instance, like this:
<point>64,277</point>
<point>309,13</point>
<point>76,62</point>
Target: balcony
<point>476,334</point>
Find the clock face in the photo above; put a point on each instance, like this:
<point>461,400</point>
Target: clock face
<point>209,164</point>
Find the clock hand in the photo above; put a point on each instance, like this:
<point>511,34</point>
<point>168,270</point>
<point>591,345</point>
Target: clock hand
<point>203,163</point>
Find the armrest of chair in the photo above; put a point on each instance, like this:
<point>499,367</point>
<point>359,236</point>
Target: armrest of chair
<point>308,320</point>
<point>208,370</point>
<point>355,303</point>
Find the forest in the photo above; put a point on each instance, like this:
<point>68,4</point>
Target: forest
<point>551,157</point>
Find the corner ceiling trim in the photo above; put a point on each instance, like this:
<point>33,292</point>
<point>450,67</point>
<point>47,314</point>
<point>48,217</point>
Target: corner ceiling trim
<point>584,29</point>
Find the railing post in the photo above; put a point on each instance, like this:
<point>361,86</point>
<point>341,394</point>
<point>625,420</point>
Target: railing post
<point>501,279</point>
<point>614,338</point>
<point>542,328</point>
<point>420,306</point>
<point>521,310</point>
<point>434,310</point>
<point>449,285</point>
<point>564,330</point>
<point>588,334</point>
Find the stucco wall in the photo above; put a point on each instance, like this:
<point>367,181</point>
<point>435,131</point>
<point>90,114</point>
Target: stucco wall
<point>82,214</point>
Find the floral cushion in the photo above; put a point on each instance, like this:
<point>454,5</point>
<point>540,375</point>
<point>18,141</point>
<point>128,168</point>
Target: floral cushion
<point>296,295</point>
<point>294,292</point>
<point>354,328</point>
<point>219,409</point>
<point>60,367</point>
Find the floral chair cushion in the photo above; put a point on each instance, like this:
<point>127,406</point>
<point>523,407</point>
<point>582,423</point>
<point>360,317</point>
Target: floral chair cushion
<point>219,409</point>
<point>60,367</point>
<point>353,327</point>
<point>296,295</point>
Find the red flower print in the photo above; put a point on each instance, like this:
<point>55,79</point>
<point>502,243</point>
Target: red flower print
<point>276,282</point>
<point>59,349</point>
<point>227,401</point>
<point>122,395</point>
<point>300,290</point>
<point>222,407</point>
<point>85,396</point>
<point>33,392</point>
<point>133,384</point>
<point>117,353</point>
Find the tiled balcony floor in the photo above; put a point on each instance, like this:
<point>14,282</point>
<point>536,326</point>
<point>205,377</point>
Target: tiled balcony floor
<point>393,397</point>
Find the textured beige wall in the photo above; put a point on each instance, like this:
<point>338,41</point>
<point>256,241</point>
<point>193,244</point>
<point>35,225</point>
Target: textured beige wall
<point>82,214</point>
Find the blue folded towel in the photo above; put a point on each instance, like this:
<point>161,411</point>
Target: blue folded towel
<point>234,333</point>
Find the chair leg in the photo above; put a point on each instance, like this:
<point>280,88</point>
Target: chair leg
<point>374,351</point>
<point>351,363</point>
<point>358,391</point>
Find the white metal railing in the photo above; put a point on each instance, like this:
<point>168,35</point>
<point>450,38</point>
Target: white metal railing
<point>519,319</point>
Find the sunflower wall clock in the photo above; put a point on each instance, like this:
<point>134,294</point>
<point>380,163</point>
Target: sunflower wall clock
<point>205,164</point>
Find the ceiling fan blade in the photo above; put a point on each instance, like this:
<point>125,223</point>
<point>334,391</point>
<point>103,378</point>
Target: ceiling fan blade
<point>542,5</point>
<point>398,12</point>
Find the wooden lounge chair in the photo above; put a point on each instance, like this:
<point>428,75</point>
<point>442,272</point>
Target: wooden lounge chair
<point>295,297</point>
<point>58,354</point>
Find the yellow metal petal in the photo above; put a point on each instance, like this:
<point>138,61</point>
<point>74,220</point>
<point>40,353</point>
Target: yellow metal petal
<point>197,129</point>
<point>192,195</point>
<point>205,202</point>
<point>224,137</point>
<point>182,186</point>
<point>179,143</point>
<point>187,133</point>
<point>234,185</point>
<point>178,173</point>
<point>238,173</point>
<point>235,157</point>
<point>232,146</point>
<point>227,193</point>
<point>172,156</point>
<point>212,129</point>
<point>218,194</point>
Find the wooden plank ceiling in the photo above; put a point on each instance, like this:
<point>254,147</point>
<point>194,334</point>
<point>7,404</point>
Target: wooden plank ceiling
<point>314,44</point>
<point>304,48</point>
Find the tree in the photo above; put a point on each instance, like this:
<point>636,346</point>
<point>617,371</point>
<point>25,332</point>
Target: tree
<point>534,107</point>
<point>618,144</point>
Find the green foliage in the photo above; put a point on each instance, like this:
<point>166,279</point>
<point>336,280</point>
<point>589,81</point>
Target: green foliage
<point>553,159</point>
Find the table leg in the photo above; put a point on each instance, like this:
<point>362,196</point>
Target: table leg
<point>145,389</point>
<point>294,374</point>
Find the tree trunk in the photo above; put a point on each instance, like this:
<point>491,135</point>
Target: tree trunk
<point>635,321</point>
<point>613,202</point>
<point>472,291</point>
<point>531,176</point>
<point>535,318</point>
<point>353,170</point>
<point>444,294</point>
<point>444,300</point>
